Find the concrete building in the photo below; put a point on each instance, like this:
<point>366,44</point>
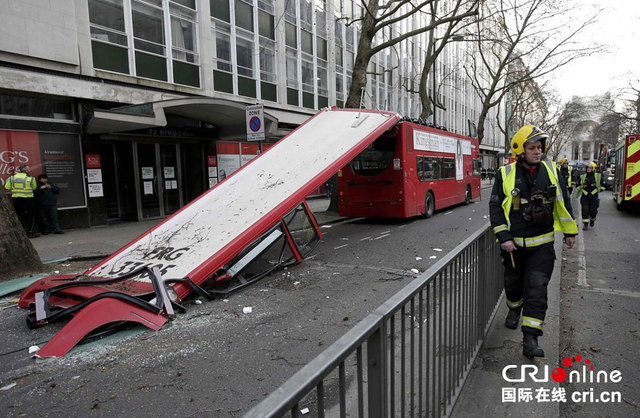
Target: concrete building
<point>135,107</point>
<point>592,127</point>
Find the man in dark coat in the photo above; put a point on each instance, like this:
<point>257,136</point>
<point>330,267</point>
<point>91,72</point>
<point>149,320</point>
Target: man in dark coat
<point>45,195</point>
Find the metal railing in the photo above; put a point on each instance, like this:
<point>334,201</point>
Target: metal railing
<point>411,356</point>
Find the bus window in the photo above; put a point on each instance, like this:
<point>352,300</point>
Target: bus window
<point>476,167</point>
<point>448,168</point>
<point>428,168</point>
<point>375,158</point>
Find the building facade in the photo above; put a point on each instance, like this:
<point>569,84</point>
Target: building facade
<point>135,107</point>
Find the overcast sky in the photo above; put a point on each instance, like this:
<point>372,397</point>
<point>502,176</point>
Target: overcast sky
<point>619,28</point>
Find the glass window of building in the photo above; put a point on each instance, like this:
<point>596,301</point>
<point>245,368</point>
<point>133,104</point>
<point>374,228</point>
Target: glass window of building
<point>184,42</point>
<point>149,39</point>
<point>292,68</point>
<point>222,64</point>
<point>244,15</point>
<point>108,35</point>
<point>244,52</point>
<point>306,14</point>
<point>222,56</point>
<point>220,10</point>
<point>266,30</point>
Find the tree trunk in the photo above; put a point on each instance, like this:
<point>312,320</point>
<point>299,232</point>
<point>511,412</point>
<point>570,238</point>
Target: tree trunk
<point>425,98</point>
<point>363,56</point>
<point>481,119</point>
<point>17,255</point>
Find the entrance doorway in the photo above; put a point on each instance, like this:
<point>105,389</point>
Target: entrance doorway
<point>158,179</point>
<point>149,180</point>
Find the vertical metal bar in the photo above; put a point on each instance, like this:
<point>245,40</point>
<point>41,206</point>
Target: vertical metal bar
<point>392,363</point>
<point>457,327</point>
<point>452,337</point>
<point>412,350</point>
<point>403,354</point>
<point>320,396</point>
<point>481,275</point>
<point>440,326</point>
<point>434,365</point>
<point>375,374</point>
<point>474,264</point>
<point>459,345</point>
<point>420,307</point>
<point>447,333</point>
<point>450,321</point>
<point>465,305</point>
<point>343,390</point>
<point>428,382</point>
<point>360,382</point>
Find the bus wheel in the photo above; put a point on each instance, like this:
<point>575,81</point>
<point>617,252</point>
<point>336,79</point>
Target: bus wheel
<point>429,205</point>
<point>467,195</point>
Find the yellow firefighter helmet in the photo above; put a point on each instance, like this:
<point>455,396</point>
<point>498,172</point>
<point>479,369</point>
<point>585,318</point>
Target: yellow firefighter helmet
<point>528,133</point>
<point>562,161</point>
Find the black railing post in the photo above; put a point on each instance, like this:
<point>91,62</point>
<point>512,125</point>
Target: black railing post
<point>375,374</point>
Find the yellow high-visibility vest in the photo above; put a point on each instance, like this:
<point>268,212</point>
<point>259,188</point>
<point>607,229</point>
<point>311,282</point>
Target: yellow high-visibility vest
<point>21,185</point>
<point>583,178</point>
<point>562,220</point>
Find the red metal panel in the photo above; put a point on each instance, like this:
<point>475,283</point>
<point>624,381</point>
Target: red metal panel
<point>100,312</point>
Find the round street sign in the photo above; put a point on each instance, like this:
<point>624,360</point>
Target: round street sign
<point>254,124</point>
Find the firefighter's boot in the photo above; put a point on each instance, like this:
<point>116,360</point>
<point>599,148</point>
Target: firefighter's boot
<point>513,318</point>
<point>585,226</point>
<point>592,222</point>
<point>530,346</point>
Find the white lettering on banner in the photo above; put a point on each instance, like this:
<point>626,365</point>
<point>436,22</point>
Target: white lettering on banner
<point>429,141</point>
<point>14,157</point>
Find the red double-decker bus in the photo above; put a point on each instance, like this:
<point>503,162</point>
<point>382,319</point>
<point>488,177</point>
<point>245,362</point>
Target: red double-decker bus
<point>410,170</point>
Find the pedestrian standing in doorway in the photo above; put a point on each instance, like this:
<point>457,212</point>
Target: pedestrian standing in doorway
<point>21,185</point>
<point>588,188</point>
<point>526,206</point>
<point>46,196</point>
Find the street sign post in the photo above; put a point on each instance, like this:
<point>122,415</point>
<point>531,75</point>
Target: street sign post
<point>255,123</point>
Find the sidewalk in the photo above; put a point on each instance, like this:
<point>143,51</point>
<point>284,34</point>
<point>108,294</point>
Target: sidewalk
<point>101,241</point>
<point>486,184</point>
<point>482,392</point>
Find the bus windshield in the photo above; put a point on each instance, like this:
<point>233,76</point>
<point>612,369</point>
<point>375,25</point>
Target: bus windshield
<point>375,158</point>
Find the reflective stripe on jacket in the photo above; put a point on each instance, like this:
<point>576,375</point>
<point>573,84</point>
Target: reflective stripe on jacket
<point>562,220</point>
<point>21,185</point>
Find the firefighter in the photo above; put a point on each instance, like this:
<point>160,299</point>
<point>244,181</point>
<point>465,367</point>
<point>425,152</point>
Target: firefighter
<point>588,189</point>
<point>527,204</point>
<point>567,175</point>
<point>21,185</point>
